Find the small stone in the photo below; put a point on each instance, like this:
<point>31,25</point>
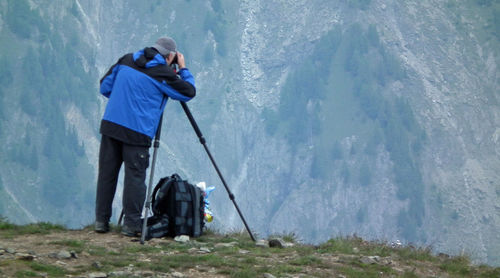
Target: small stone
<point>277,242</point>
<point>10,250</point>
<point>97,275</point>
<point>369,259</point>
<point>242,251</point>
<point>119,273</point>
<point>262,243</point>
<point>63,254</point>
<point>204,250</point>
<point>85,254</point>
<point>269,275</point>
<point>386,261</point>
<point>397,269</point>
<point>177,274</point>
<point>443,256</point>
<point>61,263</point>
<point>230,244</point>
<point>355,250</point>
<point>376,258</point>
<point>116,273</point>
<point>2,251</point>
<point>146,273</point>
<point>25,257</point>
<point>182,238</point>
<point>198,243</point>
<point>366,260</point>
<point>288,245</point>
<point>96,264</point>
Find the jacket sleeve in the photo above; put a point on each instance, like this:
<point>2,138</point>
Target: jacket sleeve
<point>107,81</point>
<point>182,88</point>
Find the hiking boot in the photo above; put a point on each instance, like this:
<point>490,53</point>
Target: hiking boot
<point>101,227</point>
<point>130,232</point>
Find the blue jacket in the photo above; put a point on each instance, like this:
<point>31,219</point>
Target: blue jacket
<point>138,87</point>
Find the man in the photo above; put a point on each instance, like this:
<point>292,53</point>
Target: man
<point>138,87</point>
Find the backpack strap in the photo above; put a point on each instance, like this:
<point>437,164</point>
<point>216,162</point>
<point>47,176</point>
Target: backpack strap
<point>183,219</point>
<point>196,196</point>
<point>157,187</point>
<point>163,188</point>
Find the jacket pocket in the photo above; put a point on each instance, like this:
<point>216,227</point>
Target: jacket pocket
<point>141,160</point>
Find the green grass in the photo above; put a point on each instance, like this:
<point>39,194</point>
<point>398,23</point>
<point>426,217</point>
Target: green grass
<point>244,273</point>
<point>417,254</point>
<point>282,269</point>
<point>119,262</point>
<point>376,268</point>
<point>10,230</point>
<point>76,245</point>
<point>307,260</point>
<point>488,272</point>
<point>187,260</point>
<point>457,266</point>
<point>26,273</point>
<point>51,270</point>
<point>160,267</point>
<point>338,245</point>
<point>141,249</point>
<point>356,273</point>
<point>288,237</point>
<point>408,274</point>
<point>350,244</point>
<point>98,251</point>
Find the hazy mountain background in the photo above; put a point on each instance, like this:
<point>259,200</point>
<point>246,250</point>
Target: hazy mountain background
<point>327,118</point>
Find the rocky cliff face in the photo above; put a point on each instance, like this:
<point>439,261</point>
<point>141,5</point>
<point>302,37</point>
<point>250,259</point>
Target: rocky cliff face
<point>413,155</point>
<point>456,100</point>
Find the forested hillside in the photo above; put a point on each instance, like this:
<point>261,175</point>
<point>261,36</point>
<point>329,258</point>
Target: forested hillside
<point>46,70</point>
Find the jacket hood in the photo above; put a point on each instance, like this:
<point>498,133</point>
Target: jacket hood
<point>148,58</point>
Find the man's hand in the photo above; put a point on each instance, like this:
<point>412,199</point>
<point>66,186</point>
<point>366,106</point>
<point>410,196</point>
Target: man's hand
<point>180,60</point>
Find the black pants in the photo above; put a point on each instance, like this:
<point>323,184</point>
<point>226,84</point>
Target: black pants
<point>112,154</point>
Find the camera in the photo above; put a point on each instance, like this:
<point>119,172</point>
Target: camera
<point>174,61</point>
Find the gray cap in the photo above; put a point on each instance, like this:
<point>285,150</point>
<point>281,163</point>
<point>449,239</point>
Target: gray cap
<point>165,45</point>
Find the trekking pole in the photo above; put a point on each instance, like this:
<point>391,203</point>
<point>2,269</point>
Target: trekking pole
<point>203,142</point>
<point>156,145</point>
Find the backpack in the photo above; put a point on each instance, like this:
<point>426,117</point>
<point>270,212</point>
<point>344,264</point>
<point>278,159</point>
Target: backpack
<point>178,209</point>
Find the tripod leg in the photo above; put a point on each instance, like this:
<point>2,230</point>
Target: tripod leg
<point>203,142</point>
<point>150,185</point>
<point>120,218</point>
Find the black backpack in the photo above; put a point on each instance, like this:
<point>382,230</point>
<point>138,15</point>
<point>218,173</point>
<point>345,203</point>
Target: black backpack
<point>178,209</point>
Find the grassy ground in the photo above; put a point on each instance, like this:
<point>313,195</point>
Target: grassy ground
<point>37,250</point>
